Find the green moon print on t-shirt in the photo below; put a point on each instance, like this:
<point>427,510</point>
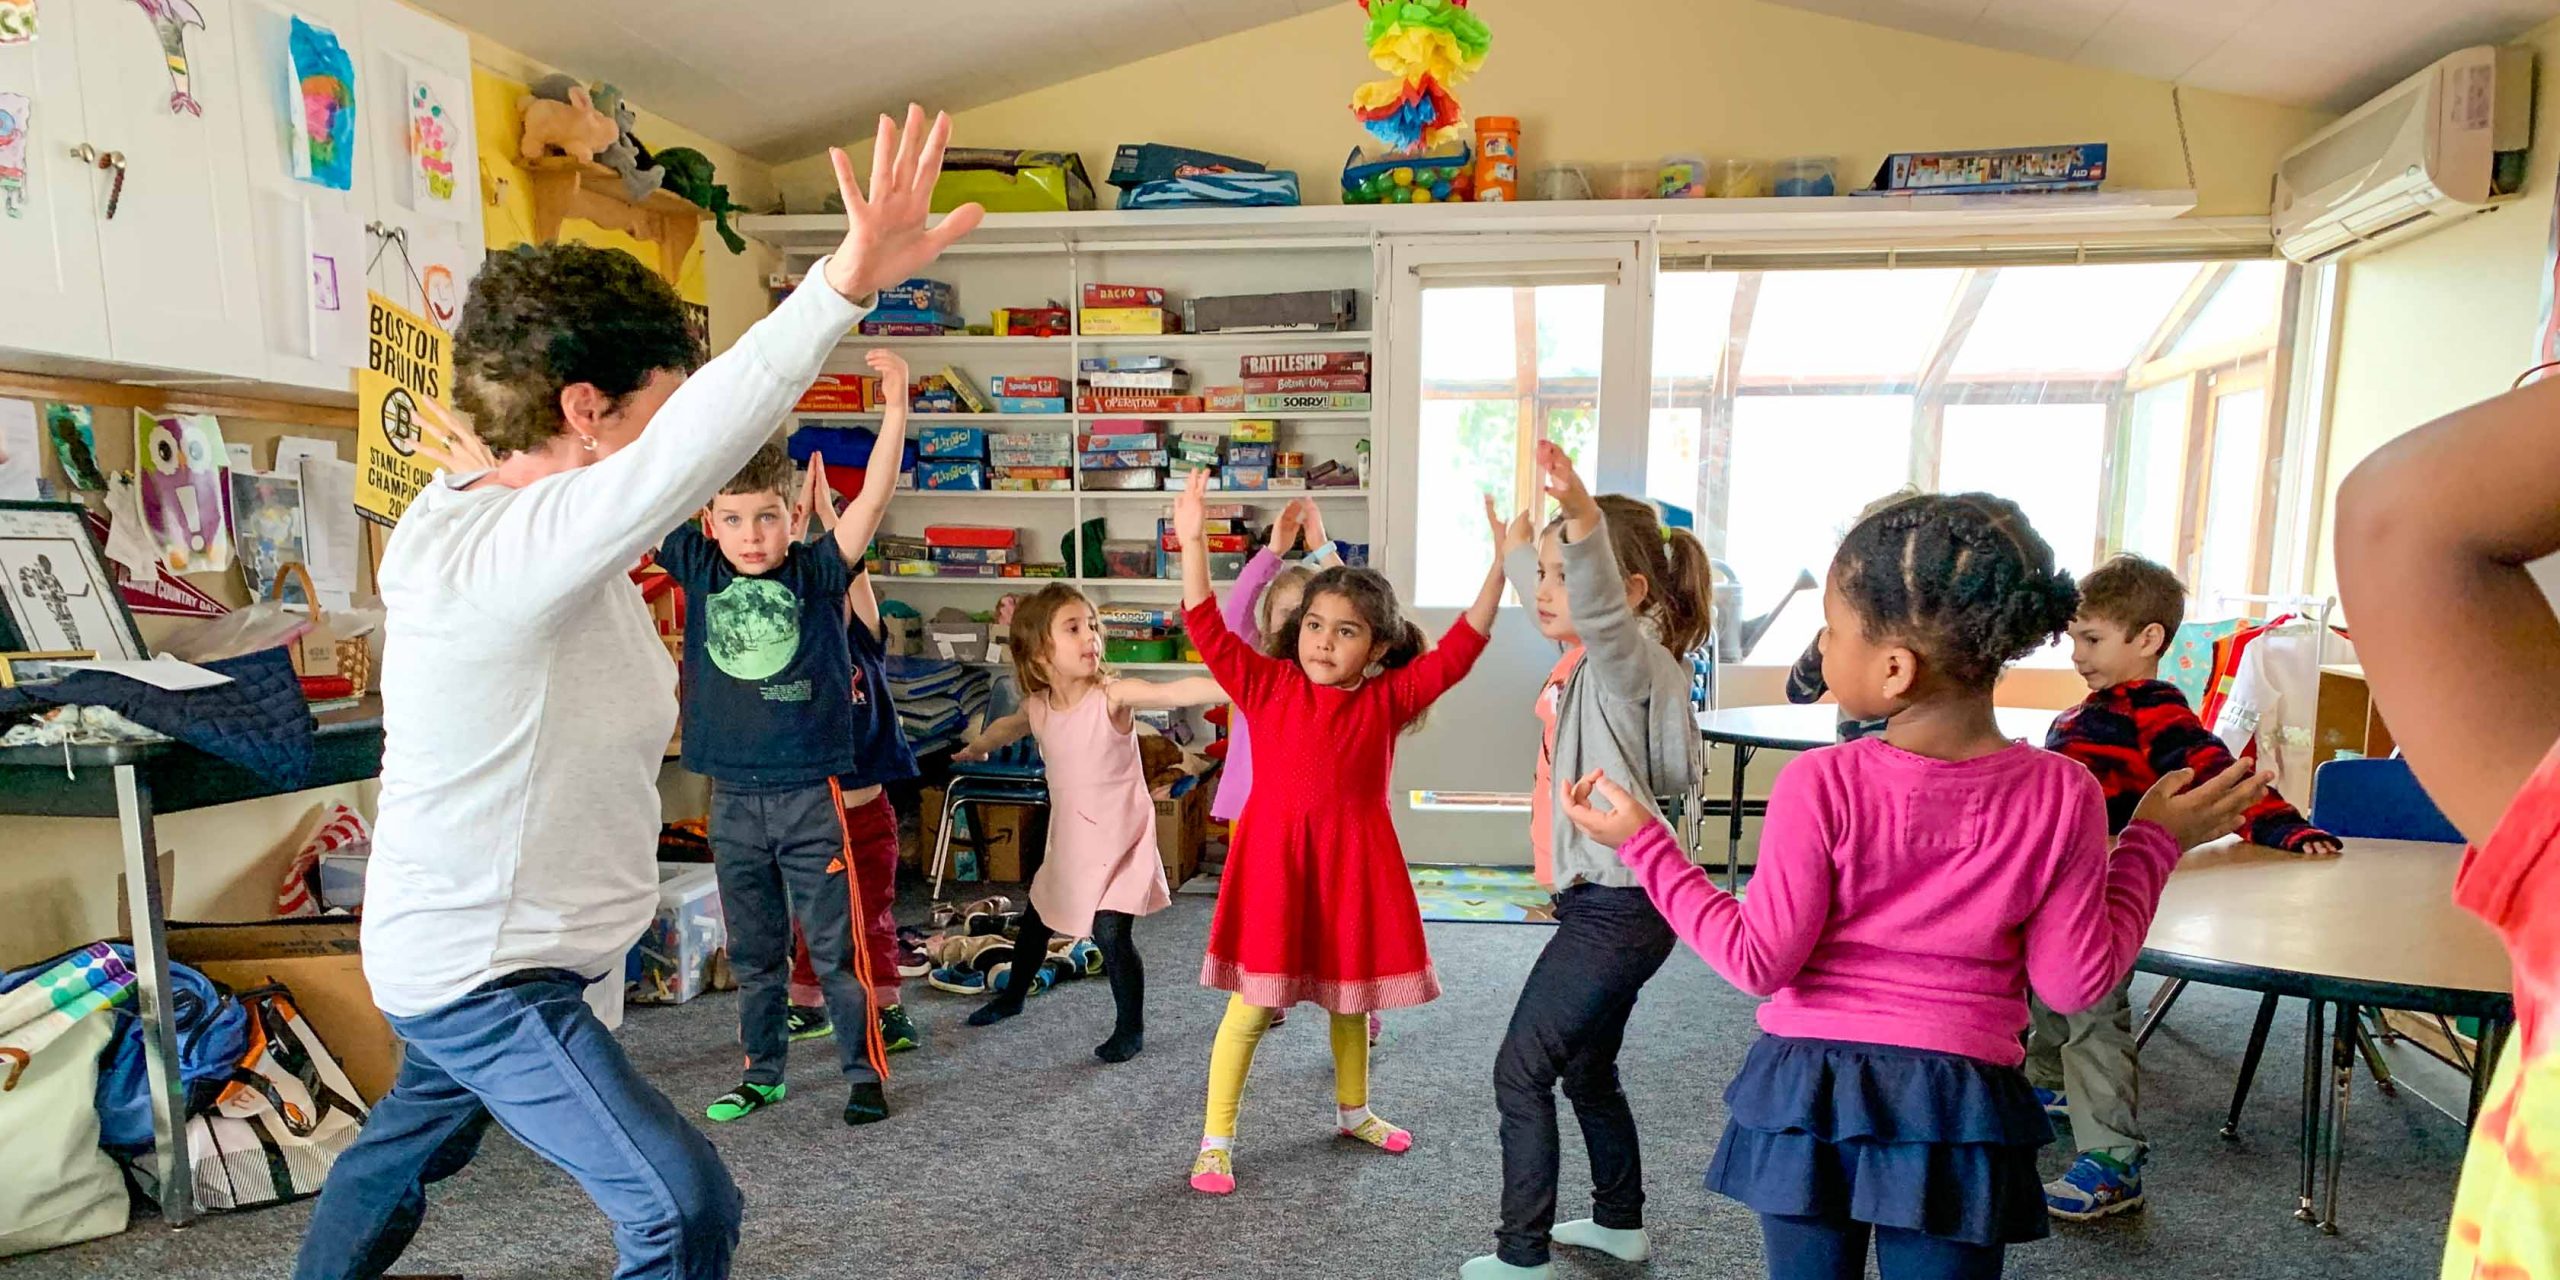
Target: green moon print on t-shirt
<point>752,628</point>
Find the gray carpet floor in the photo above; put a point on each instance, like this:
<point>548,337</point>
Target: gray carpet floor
<point>1013,1153</point>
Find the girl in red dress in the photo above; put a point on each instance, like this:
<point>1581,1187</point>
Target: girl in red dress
<point>1315,904</point>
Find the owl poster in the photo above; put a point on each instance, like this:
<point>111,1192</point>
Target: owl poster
<point>184,500</point>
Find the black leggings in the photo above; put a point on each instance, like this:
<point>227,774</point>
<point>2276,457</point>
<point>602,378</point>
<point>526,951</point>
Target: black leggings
<point>1111,932</point>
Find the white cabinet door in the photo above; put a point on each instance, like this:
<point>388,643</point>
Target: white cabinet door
<point>443,236</point>
<point>303,228</point>
<point>50,302</point>
<point>179,257</point>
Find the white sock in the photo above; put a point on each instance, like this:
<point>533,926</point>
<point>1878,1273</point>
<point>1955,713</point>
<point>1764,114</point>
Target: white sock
<point>1210,1142</point>
<point>1350,1118</point>
<point>1582,1233</point>
<point>1492,1267</point>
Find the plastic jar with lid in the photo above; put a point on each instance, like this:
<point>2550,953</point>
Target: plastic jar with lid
<point>1497,158</point>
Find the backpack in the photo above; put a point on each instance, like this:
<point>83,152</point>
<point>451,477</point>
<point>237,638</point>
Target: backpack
<point>213,1032</point>
<point>269,1128</point>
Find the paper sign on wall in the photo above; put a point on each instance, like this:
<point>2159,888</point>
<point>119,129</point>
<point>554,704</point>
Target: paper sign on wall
<point>151,589</point>
<point>407,361</point>
<point>21,450</point>
<point>169,21</point>
<point>181,457</point>
<point>16,117</point>
<point>266,522</point>
<point>17,21</point>
<point>330,527</point>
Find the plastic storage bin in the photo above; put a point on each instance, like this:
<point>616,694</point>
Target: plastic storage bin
<point>1805,176</point>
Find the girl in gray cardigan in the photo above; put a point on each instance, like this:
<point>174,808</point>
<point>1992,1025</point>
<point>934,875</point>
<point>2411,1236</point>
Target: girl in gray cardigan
<point>1627,598</point>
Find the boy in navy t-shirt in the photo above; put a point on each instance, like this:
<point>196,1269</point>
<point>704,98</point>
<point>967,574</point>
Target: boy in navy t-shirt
<point>786,710</point>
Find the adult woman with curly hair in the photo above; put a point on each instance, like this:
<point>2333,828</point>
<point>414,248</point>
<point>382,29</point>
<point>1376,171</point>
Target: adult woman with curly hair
<point>527,703</point>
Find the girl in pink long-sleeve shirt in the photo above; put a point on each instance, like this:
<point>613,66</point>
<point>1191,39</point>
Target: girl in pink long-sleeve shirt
<point>1912,888</point>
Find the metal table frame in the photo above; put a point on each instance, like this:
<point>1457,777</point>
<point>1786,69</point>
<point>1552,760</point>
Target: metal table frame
<point>2324,1109</point>
<point>134,783</point>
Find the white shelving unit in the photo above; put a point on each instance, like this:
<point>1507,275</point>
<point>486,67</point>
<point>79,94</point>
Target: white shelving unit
<point>1000,269</point>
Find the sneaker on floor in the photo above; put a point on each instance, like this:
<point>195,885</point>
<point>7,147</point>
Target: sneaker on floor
<point>913,963</point>
<point>867,1104</point>
<point>2055,1102</point>
<point>805,1023</point>
<point>898,1031</point>
<point>2096,1186</point>
<point>958,979</point>
<point>1084,960</point>
<point>738,1103</point>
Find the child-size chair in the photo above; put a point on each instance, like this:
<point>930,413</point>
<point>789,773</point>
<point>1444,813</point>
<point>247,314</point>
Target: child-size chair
<point>1013,775</point>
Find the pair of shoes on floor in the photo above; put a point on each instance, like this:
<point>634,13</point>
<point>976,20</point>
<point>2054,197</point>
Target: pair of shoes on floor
<point>804,1022</point>
<point>945,915</point>
<point>912,961</point>
<point>898,1032</point>
<point>2096,1186</point>
<point>958,979</point>
<point>865,1104</point>
<point>1213,1171</point>
<point>1625,1244</point>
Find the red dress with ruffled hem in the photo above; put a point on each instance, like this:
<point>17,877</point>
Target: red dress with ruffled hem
<point>1316,904</point>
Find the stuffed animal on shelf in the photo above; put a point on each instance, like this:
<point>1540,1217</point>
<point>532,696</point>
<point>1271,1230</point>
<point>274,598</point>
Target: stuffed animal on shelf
<point>689,174</point>
<point>573,128</point>
<point>640,172</point>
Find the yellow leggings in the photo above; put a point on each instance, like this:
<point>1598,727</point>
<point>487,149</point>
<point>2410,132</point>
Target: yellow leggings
<point>1231,1056</point>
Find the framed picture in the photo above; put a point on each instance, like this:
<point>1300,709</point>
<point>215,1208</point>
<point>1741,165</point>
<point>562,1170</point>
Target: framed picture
<point>55,592</point>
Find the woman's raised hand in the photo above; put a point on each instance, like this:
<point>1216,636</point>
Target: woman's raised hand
<point>885,237</point>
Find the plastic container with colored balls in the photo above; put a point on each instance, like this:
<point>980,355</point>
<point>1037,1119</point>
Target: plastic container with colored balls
<point>1443,174</point>
<point>1681,178</point>
<point>1737,179</point>
<point>1805,176</point>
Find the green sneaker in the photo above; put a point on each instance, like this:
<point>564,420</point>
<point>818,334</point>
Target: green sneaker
<point>898,1031</point>
<point>805,1023</point>
<point>737,1103</point>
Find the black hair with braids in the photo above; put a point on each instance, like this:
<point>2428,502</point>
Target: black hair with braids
<point>1960,578</point>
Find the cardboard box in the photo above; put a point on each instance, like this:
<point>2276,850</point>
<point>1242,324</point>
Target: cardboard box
<point>686,950</point>
<point>951,475</point>
<point>940,442</point>
<point>1182,828</point>
<point>1222,399</point>
<point>1281,384</point>
<point>1031,322</point>
<point>1130,320</point>
<point>1123,295</point>
<point>1313,309</point>
<point>839,393</point>
<point>319,961</point>
<point>1002,829</point>
<point>1282,364</point>
<point>919,294</point>
<point>1309,402</point>
<point>2071,167</point>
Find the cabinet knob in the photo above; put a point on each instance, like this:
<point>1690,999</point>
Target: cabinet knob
<point>85,154</point>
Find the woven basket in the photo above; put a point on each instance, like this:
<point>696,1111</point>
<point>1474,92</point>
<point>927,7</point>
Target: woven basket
<point>354,656</point>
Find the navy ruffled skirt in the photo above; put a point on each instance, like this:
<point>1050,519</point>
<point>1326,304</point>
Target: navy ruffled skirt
<point>1913,1138</point>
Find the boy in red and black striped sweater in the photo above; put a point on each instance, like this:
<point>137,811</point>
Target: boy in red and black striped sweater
<point>2133,728</point>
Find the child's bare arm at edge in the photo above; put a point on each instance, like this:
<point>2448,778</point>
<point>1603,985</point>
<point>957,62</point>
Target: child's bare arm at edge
<point>2434,532</point>
<point>1000,733</point>
<point>1190,528</point>
<point>860,604</point>
<point>1166,695</point>
<point>1487,607</point>
<point>861,518</point>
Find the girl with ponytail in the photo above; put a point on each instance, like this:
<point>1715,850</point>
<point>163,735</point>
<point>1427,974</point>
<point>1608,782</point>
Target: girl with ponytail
<point>1628,599</point>
<point>1912,888</point>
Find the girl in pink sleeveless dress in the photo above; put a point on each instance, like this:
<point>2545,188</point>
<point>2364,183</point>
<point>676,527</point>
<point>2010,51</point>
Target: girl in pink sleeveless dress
<point>1102,870</point>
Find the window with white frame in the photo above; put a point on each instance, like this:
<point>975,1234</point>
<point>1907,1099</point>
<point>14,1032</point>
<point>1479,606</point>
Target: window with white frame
<point>2124,406</point>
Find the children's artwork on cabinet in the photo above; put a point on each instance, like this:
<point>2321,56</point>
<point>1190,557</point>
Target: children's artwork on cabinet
<point>75,445</point>
<point>442,296</point>
<point>170,20</point>
<point>434,140</point>
<point>17,21</point>
<point>324,118</point>
<point>15,114</point>
<point>182,457</point>
<point>267,522</point>
<point>337,283</point>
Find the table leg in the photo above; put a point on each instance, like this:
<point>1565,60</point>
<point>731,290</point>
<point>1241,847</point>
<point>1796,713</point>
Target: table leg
<point>2313,1097</point>
<point>2342,1075</point>
<point>159,1020</point>
<point>1733,820</point>
<point>2248,1065</point>
<point>2153,1012</point>
<point>2485,1053</point>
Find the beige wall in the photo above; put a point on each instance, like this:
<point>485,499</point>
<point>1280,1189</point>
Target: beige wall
<point>2442,321</point>
<point>1635,80</point>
